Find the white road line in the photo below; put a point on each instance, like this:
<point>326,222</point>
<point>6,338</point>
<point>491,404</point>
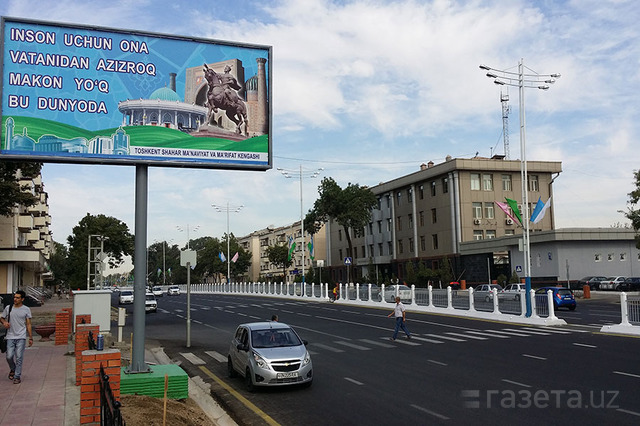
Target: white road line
<point>453,339</point>
<point>511,333</point>
<point>192,358</point>
<point>516,383</point>
<point>351,345</point>
<point>242,315</point>
<point>534,357</point>
<point>433,413</point>
<point>552,330</point>
<point>528,331</point>
<point>287,312</point>
<point>627,374</point>
<point>499,336</point>
<point>329,348</point>
<point>633,413</point>
<point>584,345</point>
<point>437,362</point>
<point>407,342</point>
<point>466,336</point>
<point>197,322</point>
<point>373,342</point>
<point>422,339</point>
<point>304,315</point>
<point>255,317</point>
<point>354,381</point>
<point>351,312</point>
<point>217,356</point>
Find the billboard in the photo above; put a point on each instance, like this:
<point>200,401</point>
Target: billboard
<point>77,94</point>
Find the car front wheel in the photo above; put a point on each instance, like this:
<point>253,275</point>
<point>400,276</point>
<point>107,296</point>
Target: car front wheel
<point>248,381</point>
<point>231,372</point>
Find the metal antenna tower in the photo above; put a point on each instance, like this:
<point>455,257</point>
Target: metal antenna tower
<point>504,99</point>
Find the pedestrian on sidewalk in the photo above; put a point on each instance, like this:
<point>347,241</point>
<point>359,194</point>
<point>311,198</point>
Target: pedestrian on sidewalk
<point>401,317</point>
<point>16,319</point>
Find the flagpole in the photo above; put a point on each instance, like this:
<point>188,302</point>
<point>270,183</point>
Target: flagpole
<point>227,209</point>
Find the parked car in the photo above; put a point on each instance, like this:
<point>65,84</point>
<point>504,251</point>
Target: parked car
<point>173,290</point>
<point>157,291</point>
<point>612,283</point>
<point>630,284</point>
<point>364,291</point>
<point>391,291</point>
<point>150,303</point>
<point>592,281</point>
<point>126,297</point>
<point>562,297</point>
<point>269,354</point>
<point>512,291</point>
<point>485,291</point>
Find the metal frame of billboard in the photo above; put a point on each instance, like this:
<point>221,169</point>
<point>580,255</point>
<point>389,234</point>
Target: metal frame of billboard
<point>99,64</point>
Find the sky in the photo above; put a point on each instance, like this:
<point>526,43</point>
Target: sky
<point>368,90</point>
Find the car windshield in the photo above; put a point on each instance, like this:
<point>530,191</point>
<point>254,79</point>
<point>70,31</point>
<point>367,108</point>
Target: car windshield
<point>564,292</point>
<point>150,297</point>
<point>127,293</point>
<point>274,338</point>
<point>496,286</point>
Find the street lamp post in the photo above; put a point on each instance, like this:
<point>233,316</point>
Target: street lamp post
<point>100,238</point>
<point>227,209</point>
<point>300,174</point>
<point>181,229</point>
<point>522,81</point>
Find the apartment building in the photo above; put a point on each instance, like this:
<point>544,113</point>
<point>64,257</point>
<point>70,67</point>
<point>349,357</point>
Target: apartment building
<point>25,242</point>
<point>257,243</point>
<point>426,215</point>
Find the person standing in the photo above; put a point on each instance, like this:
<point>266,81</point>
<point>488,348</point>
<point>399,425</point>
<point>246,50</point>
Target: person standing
<point>401,317</point>
<point>16,319</point>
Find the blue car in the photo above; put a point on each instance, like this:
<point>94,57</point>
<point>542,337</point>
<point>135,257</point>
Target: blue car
<point>562,297</point>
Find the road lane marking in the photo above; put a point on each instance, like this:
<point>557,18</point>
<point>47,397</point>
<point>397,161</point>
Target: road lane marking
<point>499,336</point>
<point>550,330</point>
<point>304,315</point>
<point>372,342</point>
<point>516,383</point>
<point>466,336</point>
<point>193,359</point>
<point>268,419</point>
<point>633,413</point>
<point>217,356</point>
<point>437,362</point>
<point>329,348</point>
<point>351,345</point>
<point>433,413</point>
<point>627,374</point>
<point>407,342</point>
<point>354,381</point>
<point>584,345</point>
<point>534,357</point>
<point>423,339</point>
<point>526,330</point>
<point>453,339</point>
<point>511,333</point>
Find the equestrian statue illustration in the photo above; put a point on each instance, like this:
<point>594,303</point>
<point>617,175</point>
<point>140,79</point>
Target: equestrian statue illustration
<point>222,93</point>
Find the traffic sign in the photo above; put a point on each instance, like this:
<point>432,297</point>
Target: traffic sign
<point>347,261</point>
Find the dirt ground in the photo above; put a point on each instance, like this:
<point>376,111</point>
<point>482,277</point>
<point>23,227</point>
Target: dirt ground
<point>145,410</point>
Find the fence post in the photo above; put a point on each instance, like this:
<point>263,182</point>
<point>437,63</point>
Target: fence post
<point>523,303</point>
<point>413,295</point>
<point>496,307</point>
<point>532,297</point>
<point>472,300</point>
<point>449,298</point>
<point>624,308</point>
<point>552,313</point>
<point>430,294</point>
<point>382,293</point>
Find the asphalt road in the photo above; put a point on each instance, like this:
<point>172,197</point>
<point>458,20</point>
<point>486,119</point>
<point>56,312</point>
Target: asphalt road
<point>454,370</point>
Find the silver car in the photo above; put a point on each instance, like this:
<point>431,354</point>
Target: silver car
<point>269,354</point>
<point>390,293</point>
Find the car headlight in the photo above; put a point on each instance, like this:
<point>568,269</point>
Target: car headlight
<point>260,361</point>
<point>307,359</point>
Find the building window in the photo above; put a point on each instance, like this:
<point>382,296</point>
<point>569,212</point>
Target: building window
<point>488,210</point>
<point>355,252</point>
<point>389,225</point>
<point>623,257</point>
<point>478,235</point>
<point>421,190</point>
<point>410,221</point>
<point>379,203</point>
<point>371,252</point>
<point>421,218</point>
<point>410,244</point>
<point>379,227</point>
<point>477,210</point>
<point>487,182</point>
<point>388,201</point>
<point>445,185</point>
<point>597,257</point>
<point>433,189</point>
<point>423,243</point>
<point>380,249</point>
<point>340,254</point>
<point>409,195</point>
<point>389,247</point>
<point>506,183</point>
<point>434,216</point>
<point>339,234</point>
<point>534,185</point>
<point>399,223</point>
<point>509,232</point>
<point>364,254</point>
<point>399,195</point>
<point>434,241</point>
<point>475,181</point>
<point>491,234</point>
<point>609,257</point>
<point>400,247</point>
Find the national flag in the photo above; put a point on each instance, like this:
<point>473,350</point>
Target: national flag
<point>222,258</point>
<point>505,208</point>
<point>514,207</point>
<point>312,253</point>
<point>159,271</point>
<point>540,210</point>
<point>234,259</point>
<point>292,247</point>
<point>169,271</point>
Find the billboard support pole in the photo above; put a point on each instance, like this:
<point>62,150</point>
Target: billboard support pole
<point>139,287</point>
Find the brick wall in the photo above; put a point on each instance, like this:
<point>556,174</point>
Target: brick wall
<point>90,382</point>
<point>82,344</point>
<point>62,328</point>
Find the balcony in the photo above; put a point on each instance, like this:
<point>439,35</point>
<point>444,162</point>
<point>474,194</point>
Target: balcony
<point>40,221</point>
<point>33,235</point>
<point>25,223</point>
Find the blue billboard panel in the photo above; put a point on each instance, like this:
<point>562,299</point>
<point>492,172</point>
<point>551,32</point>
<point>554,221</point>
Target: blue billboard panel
<point>96,95</point>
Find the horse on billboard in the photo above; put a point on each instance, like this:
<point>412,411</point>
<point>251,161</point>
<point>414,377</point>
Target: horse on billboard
<point>222,93</point>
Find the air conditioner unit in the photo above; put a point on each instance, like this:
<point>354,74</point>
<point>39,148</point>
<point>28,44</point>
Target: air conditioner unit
<point>476,221</point>
<point>509,221</point>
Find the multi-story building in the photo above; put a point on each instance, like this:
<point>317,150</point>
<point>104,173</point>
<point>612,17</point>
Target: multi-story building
<point>25,242</point>
<point>426,215</point>
<point>257,243</point>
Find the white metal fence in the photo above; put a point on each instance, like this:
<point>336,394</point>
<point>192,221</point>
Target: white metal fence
<point>630,317</point>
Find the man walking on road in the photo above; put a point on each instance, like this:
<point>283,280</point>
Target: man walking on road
<point>401,318</point>
<point>17,319</point>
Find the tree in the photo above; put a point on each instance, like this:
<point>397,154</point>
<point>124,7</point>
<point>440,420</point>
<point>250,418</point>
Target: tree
<point>119,242</point>
<point>58,264</point>
<point>12,194</point>
<point>279,256</point>
<point>349,207</point>
<point>632,213</point>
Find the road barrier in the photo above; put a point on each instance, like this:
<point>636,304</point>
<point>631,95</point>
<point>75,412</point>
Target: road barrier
<point>630,313</point>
